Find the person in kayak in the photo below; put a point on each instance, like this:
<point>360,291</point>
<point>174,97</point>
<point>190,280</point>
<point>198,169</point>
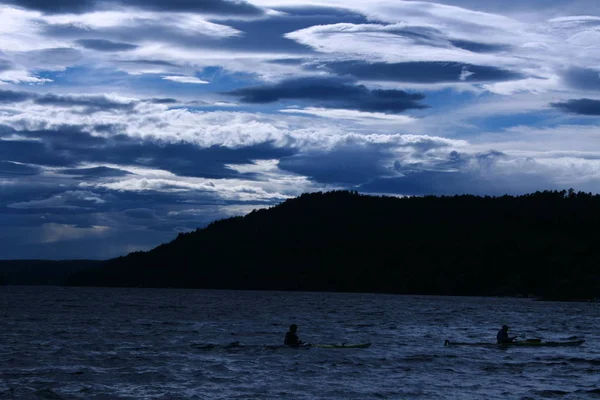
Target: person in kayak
<point>503,337</point>
<point>291,339</point>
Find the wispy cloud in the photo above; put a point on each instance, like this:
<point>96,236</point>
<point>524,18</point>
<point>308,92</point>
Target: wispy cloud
<point>184,79</point>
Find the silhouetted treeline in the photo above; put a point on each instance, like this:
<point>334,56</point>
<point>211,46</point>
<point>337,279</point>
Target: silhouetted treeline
<point>543,244</point>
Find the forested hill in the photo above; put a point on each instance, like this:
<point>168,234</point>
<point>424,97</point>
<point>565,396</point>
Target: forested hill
<point>545,244</point>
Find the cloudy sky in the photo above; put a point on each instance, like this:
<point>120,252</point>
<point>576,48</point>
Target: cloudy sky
<point>125,122</point>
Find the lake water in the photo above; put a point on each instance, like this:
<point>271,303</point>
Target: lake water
<point>96,343</point>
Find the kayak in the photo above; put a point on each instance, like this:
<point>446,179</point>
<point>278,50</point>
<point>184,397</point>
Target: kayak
<point>520,343</point>
<point>342,346</point>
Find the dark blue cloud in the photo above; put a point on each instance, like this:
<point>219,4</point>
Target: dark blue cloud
<point>105,45</point>
<point>188,159</point>
<point>371,168</point>
<point>162,101</point>
<point>322,14</point>
<point>140,213</point>
<point>10,169</point>
<point>5,65</point>
<point>454,161</point>
<point>28,188</point>
<point>426,183</point>
<point>458,173</point>
<point>287,61</point>
<point>219,7</point>
<point>31,152</point>
<point>159,63</point>
<point>136,220</point>
<point>421,72</point>
<point>54,6</point>
<point>583,78</point>
<point>30,243</point>
<point>359,163</point>
<point>64,147</point>
<point>71,146</point>
<point>477,47</point>
<point>332,93</point>
<point>91,103</point>
<point>10,96</point>
<point>150,32</point>
<point>579,106</point>
<point>95,172</point>
<point>419,183</point>
<point>350,165</point>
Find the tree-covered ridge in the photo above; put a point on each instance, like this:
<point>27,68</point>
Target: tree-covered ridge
<point>542,244</point>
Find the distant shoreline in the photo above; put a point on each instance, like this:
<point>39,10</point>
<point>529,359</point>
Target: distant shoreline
<point>516,297</point>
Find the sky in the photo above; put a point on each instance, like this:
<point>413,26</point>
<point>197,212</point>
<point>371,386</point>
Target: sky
<point>126,122</point>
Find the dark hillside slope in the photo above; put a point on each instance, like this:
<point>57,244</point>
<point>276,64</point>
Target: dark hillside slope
<point>543,244</point>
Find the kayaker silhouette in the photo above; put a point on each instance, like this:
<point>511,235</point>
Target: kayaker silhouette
<point>291,339</point>
<point>503,337</point>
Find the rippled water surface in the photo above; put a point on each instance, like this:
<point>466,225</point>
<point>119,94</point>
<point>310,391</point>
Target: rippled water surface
<point>89,343</point>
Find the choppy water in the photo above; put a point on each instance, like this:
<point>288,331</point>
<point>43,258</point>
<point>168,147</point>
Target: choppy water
<point>86,343</point>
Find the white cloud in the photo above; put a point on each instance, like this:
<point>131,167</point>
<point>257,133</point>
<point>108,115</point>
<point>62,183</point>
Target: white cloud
<point>21,76</point>
<point>184,79</point>
<point>277,185</point>
<point>382,43</point>
<point>353,115</point>
<point>186,23</point>
<point>465,74</point>
<point>21,31</point>
<point>532,85</point>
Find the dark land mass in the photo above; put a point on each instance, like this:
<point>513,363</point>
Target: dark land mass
<point>543,244</point>
<point>42,272</point>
